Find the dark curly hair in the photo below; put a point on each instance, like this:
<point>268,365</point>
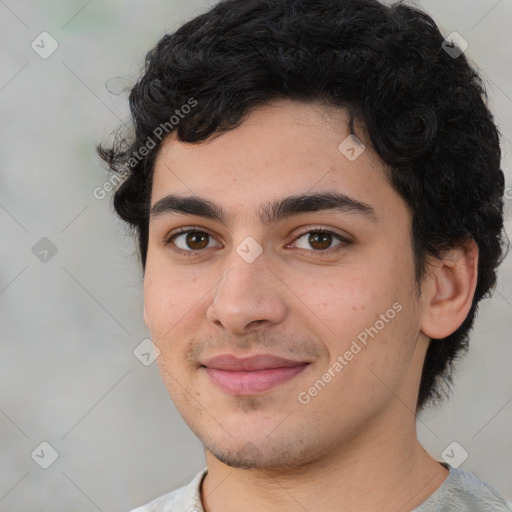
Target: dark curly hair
<point>424,110</point>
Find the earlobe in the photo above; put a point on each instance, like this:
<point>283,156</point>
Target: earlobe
<point>449,291</point>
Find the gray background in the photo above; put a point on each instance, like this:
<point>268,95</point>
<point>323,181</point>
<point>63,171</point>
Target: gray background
<point>69,325</point>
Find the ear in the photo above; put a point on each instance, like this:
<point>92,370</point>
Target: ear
<point>449,288</point>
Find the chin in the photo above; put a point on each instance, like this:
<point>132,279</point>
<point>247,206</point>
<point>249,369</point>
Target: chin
<point>262,452</point>
<point>250,457</point>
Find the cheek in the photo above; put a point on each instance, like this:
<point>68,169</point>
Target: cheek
<point>349,299</point>
<point>169,298</point>
<point>363,313</point>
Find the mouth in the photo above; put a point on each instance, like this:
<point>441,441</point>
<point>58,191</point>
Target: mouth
<point>251,375</point>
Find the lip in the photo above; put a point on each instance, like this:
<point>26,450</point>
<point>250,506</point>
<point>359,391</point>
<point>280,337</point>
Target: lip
<point>251,375</point>
<point>232,363</point>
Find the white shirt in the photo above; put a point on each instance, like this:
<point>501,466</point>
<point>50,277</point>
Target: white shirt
<point>460,492</point>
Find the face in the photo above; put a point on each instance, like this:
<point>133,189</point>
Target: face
<point>286,328</point>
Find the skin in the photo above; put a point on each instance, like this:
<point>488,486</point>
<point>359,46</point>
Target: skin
<point>353,446</point>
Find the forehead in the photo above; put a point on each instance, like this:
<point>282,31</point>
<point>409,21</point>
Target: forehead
<point>280,150</point>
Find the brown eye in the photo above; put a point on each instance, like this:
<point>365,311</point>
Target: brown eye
<point>190,241</point>
<point>320,241</point>
<point>196,240</point>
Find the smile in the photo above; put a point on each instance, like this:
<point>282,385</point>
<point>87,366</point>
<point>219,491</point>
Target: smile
<point>251,375</point>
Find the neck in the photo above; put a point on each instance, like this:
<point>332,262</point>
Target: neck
<point>384,468</point>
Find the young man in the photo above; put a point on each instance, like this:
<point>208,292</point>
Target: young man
<point>317,195</point>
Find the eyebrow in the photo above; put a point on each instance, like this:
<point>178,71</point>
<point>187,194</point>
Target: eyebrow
<point>269,213</point>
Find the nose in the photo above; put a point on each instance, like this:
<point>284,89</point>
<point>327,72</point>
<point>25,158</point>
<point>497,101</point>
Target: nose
<point>247,297</point>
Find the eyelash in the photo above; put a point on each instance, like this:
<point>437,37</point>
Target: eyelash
<point>196,253</point>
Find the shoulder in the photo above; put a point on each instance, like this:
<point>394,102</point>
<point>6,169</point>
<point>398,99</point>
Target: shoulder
<point>186,498</point>
<point>478,492</point>
<point>464,492</point>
